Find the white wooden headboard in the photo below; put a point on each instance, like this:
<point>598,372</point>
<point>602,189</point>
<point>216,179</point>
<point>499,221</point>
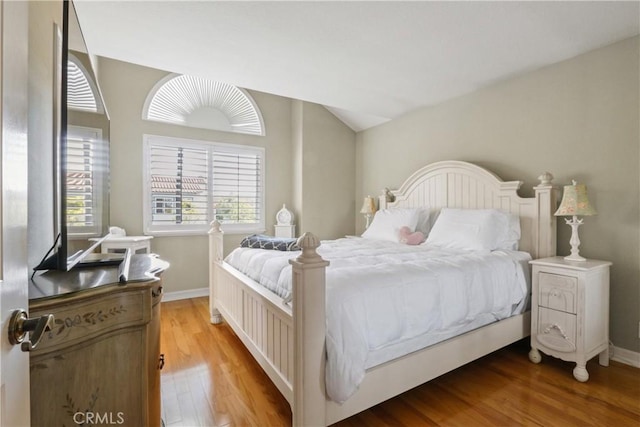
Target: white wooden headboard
<point>457,184</point>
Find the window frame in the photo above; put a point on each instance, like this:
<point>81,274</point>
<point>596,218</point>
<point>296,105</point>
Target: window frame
<point>148,207</point>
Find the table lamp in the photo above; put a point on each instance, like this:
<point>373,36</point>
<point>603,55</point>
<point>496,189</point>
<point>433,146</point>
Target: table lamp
<point>575,203</point>
<point>368,209</point>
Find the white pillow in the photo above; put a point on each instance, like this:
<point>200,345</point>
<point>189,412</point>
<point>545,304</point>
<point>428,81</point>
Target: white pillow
<point>474,229</point>
<point>423,225</point>
<point>511,239</point>
<point>386,223</point>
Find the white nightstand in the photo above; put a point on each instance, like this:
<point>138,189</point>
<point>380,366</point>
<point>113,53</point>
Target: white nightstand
<point>570,311</point>
<point>285,230</point>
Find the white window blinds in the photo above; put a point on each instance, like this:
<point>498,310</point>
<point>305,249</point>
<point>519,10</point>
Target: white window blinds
<point>179,185</point>
<point>189,183</point>
<point>80,94</point>
<point>237,189</point>
<point>85,171</point>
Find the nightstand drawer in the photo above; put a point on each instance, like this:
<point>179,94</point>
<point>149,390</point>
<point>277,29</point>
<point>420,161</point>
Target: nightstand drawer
<point>556,330</point>
<point>557,292</point>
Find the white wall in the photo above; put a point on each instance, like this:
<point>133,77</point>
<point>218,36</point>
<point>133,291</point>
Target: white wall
<point>578,119</point>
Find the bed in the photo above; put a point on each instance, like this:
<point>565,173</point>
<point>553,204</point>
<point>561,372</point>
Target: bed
<point>289,338</point>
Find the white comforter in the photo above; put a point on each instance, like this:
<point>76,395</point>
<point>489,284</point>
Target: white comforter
<point>380,294</point>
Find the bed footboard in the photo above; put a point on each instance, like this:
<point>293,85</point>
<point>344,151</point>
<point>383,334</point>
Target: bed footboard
<point>259,318</point>
<point>289,348</point>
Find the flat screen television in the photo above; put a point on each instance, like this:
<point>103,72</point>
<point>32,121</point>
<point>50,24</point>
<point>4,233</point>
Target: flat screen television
<point>80,154</point>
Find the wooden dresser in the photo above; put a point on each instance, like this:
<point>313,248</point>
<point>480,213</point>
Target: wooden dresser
<point>100,364</point>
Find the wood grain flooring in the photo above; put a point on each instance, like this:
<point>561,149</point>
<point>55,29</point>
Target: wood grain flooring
<point>210,379</point>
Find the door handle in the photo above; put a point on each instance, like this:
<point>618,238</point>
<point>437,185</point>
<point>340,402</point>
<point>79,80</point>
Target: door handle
<point>20,325</point>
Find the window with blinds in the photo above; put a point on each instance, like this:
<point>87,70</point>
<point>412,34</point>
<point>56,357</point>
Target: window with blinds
<point>237,189</point>
<point>85,162</point>
<point>189,183</point>
<point>80,94</point>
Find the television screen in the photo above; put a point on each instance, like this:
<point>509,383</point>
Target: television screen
<point>80,154</point>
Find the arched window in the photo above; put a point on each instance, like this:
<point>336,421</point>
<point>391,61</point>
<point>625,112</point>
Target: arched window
<point>202,103</point>
<point>81,90</point>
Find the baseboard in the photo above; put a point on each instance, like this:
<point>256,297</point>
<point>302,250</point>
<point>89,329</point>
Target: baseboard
<point>191,293</point>
<point>625,356</point>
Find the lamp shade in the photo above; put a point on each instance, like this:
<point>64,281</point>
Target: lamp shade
<point>368,206</point>
<point>575,201</point>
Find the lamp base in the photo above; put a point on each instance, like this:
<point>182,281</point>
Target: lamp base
<point>574,223</point>
<point>368,220</point>
<point>575,257</point>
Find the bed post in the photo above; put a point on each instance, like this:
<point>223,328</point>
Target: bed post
<point>386,196</point>
<point>215,256</point>
<point>546,224</point>
<point>309,324</point>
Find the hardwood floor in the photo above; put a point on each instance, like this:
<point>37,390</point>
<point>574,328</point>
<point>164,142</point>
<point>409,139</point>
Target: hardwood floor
<point>210,379</point>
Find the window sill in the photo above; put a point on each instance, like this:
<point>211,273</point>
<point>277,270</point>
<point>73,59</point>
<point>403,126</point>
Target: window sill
<point>178,233</point>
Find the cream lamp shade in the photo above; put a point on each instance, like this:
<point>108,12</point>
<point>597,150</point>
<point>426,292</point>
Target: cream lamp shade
<point>368,209</point>
<point>575,202</point>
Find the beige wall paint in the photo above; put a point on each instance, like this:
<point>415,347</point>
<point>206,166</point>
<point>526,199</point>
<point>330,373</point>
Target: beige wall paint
<point>323,172</point>
<point>125,87</point>
<point>301,139</point>
<point>578,119</point>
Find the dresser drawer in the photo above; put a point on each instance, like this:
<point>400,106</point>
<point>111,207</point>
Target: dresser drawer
<point>557,292</point>
<point>81,320</point>
<point>556,330</point>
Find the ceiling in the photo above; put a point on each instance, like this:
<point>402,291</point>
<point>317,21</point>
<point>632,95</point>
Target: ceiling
<point>367,62</point>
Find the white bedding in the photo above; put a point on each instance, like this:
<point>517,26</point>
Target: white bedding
<point>386,299</point>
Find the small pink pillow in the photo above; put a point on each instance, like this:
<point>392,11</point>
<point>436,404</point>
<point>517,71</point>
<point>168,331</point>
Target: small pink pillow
<point>409,238</point>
